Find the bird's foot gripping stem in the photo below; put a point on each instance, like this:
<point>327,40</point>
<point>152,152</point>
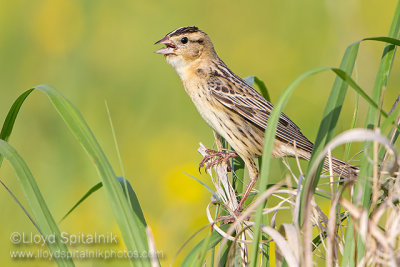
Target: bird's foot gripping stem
<point>215,157</point>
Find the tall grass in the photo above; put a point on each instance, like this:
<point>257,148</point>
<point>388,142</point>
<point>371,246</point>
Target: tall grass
<point>122,199</point>
<point>359,229</point>
<point>297,248</point>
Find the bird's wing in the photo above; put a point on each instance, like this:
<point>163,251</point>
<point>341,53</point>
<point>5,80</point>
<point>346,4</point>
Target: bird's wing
<point>237,95</point>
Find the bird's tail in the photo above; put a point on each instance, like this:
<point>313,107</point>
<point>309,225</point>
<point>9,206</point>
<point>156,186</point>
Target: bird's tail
<point>340,168</point>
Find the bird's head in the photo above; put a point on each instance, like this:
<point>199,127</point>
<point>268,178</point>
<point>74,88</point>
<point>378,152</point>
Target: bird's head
<point>184,46</point>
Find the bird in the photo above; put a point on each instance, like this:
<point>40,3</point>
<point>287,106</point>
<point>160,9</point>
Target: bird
<point>231,107</point>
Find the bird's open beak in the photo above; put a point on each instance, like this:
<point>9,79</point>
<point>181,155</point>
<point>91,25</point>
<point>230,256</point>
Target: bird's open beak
<point>170,46</point>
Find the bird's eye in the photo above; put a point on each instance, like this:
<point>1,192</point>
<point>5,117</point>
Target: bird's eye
<point>184,40</point>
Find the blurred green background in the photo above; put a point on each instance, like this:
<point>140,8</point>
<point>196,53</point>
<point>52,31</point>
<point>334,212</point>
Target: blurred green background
<point>97,51</point>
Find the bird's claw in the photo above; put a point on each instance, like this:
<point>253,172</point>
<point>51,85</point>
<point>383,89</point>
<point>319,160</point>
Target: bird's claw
<point>220,156</point>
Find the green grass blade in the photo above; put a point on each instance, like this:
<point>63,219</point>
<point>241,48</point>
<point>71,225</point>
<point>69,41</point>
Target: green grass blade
<point>350,245</point>
<point>20,205</point>
<point>237,174</point>
<point>357,88</point>
<point>43,218</point>
<point>224,260</point>
<point>88,193</point>
<point>381,81</point>
<point>9,122</point>
<point>270,134</point>
<point>334,106</point>
<point>329,120</point>
<point>131,224</point>
<point>263,88</point>
<point>205,246</point>
<point>391,120</point>
<point>352,125</point>
<point>203,184</point>
<point>121,165</point>
<point>251,80</point>
<point>325,133</point>
<point>268,145</point>
<point>214,240</point>
<point>132,198</point>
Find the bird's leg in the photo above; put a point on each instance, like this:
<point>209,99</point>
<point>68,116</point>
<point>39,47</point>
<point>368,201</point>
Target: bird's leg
<point>245,195</point>
<point>253,173</point>
<point>232,218</point>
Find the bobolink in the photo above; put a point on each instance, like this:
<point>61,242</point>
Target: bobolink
<point>230,106</point>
